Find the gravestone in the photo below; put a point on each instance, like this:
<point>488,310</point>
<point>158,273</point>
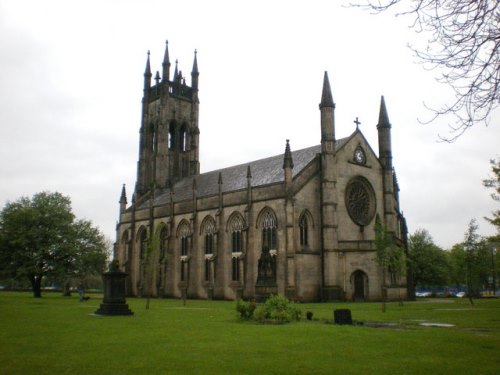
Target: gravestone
<point>342,316</point>
<point>114,292</point>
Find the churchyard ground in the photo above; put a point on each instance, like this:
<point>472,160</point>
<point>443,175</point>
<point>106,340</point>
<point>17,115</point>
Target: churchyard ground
<point>60,335</point>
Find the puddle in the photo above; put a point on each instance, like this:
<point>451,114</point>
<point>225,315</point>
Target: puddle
<point>427,324</point>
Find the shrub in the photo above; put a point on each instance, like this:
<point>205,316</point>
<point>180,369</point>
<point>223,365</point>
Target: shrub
<point>277,309</point>
<point>309,315</point>
<point>246,309</point>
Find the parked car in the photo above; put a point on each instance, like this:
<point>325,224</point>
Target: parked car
<point>423,293</point>
<point>460,295</point>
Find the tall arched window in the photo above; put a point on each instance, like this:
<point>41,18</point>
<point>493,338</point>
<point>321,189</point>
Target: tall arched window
<point>163,242</point>
<point>304,231</point>
<point>183,138</point>
<point>269,231</point>
<point>171,136</point>
<point>236,227</point>
<point>143,246</point>
<point>209,230</point>
<point>184,235</point>
<point>236,234</point>
<point>125,247</point>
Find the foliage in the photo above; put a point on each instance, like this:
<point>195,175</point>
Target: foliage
<point>494,183</point>
<point>277,309</point>
<point>39,238</point>
<point>458,269</point>
<point>472,266</point>
<point>464,45</point>
<point>389,256</point>
<point>245,309</point>
<point>429,263</point>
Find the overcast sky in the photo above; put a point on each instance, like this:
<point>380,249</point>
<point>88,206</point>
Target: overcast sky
<point>71,76</point>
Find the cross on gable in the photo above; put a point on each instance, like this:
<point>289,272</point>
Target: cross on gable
<point>357,122</point>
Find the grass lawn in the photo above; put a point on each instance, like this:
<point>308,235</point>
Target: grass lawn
<point>59,335</point>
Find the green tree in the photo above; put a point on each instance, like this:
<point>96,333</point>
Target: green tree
<point>390,257</point>
<point>429,263</point>
<point>458,268</point>
<point>493,182</point>
<point>462,43</point>
<point>39,238</point>
<point>477,260</point>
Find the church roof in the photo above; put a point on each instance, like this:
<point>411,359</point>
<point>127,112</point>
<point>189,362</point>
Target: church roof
<point>263,171</point>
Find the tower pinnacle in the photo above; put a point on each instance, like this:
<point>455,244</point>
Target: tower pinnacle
<point>166,64</point>
<point>326,96</point>
<point>147,74</point>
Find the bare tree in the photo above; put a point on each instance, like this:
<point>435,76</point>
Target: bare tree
<point>464,45</point>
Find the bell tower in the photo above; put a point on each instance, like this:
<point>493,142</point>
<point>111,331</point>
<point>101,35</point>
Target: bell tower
<point>169,133</point>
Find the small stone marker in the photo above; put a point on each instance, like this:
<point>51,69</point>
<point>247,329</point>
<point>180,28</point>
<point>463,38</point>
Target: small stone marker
<point>113,302</point>
<point>342,316</point>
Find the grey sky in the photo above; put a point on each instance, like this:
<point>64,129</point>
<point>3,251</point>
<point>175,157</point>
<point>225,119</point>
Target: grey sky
<point>71,87</point>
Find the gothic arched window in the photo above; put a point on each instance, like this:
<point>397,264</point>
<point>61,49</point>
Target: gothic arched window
<point>184,234</point>
<point>163,242</point>
<point>304,231</point>
<point>269,231</point>
<point>183,138</point>
<point>125,247</point>
<point>236,234</point>
<point>209,230</point>
<point>143,245</point>
<point>171,136</point>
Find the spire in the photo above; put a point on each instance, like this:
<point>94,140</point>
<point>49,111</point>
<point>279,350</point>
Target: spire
<point>384,138</point>
<point>157,78</point>
<point>249,172</point>
<point>326,96</point>
<point>220,178</point>
<point>123,197</point>
<point>327,109</point>
<point>176,71</point>
<point>147,75</point>
<point>383,117</point>
<point>194,72</point>
<point>166,64</point>
<point>123,200</point>
<point>288,161</point>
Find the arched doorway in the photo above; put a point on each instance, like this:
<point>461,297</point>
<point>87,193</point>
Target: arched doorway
<point>360,282</point>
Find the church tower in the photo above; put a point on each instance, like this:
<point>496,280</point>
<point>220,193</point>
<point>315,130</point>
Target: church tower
<point>329,220</point>
<point>385,156</point>
<point>169,133</point>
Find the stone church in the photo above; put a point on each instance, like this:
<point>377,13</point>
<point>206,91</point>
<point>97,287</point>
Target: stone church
<point>299,224</point>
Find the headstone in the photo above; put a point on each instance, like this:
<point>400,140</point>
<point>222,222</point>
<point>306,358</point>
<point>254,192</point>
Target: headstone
<point>114,292</point>
<point>342,316</point>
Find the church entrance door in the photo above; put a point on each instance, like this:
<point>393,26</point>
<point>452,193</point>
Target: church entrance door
<point>359,286</point>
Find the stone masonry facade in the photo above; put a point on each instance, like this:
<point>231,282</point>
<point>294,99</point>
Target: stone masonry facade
<point>299,224</point>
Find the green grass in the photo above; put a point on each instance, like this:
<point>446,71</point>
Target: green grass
<point>59,335</point>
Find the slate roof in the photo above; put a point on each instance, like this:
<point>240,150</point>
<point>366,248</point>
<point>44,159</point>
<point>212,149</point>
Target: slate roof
<point>264,171</point>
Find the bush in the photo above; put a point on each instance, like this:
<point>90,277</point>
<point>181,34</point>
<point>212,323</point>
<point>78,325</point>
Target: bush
<point>245,309</point>
<point>277,309</point>
<point>309,315</point>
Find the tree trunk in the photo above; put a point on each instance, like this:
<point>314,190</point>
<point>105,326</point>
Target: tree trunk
<point>66,289</point>
<point>36,285</point>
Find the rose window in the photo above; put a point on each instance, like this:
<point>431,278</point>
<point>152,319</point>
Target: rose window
<point>360,201</point>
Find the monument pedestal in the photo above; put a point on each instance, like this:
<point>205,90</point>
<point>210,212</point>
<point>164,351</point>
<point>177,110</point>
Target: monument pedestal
<point>114,293</point>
